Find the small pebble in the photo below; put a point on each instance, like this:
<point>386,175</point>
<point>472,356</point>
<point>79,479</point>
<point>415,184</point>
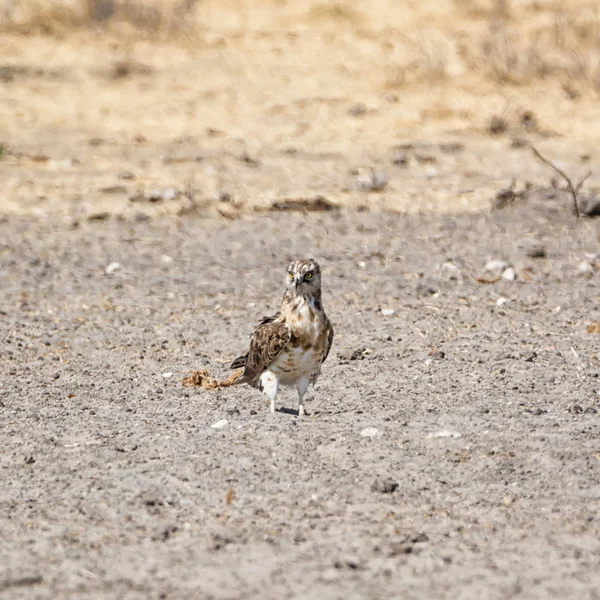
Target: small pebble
<point>220,424</point>
<point>450,271</point>
<point>387,312</point>
<point>495,266</point>
<point>167,375</point>
<point>502,301</point>
<point>370,432</point>
<point>444,433</point>
<point>509,274</point>
<point>113,267</point>
<point>585,268</point>
<point>384,486</point>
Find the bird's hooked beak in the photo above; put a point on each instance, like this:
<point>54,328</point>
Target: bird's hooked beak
<point>298,280</point>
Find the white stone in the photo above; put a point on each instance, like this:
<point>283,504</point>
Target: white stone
<point>387,312</point>
<point>502,301</point>
<point>444,433</point>
<point>220,424</point>
<point>370,432</point>
<point>509,274</point>
<point>113,267</point>
<point>167,375</point>
<point>495,266</point>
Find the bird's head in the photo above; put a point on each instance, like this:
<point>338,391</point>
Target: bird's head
<point>303,277</point>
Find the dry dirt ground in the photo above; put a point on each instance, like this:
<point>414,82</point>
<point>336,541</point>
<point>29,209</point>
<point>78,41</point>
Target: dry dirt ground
<point>485,416</point>
<point>452,449</point>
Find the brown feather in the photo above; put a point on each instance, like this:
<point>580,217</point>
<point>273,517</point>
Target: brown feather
<point>267,343</point>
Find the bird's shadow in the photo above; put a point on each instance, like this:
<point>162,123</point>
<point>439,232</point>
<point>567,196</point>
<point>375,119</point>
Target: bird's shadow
<point>295,412</point>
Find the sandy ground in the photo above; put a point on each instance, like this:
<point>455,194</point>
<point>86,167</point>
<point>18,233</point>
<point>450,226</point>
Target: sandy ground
<point>484,416</point>
<point>452,448</point>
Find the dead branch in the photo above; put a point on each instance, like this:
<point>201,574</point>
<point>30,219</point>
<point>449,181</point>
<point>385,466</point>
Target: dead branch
<point>573,189</point>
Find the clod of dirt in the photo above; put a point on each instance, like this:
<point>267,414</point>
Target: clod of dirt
<point>247,159</point>
<point>316,204</point>
<point>589,207</point>
<point>536,251</point>
<point>497,125</point>
<point>113,189</point>
<point>529,121</point>
<point>400,158</point>
<point>358,109</point>
<point>425,159</point>
<point>593,328</point>
<point>451,147</point>
<point>384,486</point>
<point>519,142</point>
<point>357,354</point>
<point>99,216</point>
<point>128,68</point>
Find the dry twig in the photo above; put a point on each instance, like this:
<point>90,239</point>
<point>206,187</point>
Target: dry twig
<point>573,189</point>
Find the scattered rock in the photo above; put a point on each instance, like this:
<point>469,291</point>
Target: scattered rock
<point>593,328</point>
<point>444,433</point>
<point>502,301</point>
<point>316,204</point>
<point>509,274</point>
<point>384,486</point>
<point>220,424</point>
<point>369,180</point>
<point>167,375</point>
<point>370,432</point>
<point>495,266</point>
<point>113,267</point>
<point>387,312</point>
<point>450,271</point>
<point>585,269</point>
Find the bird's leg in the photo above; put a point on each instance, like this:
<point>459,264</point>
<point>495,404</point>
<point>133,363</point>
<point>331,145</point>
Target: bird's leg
<point>269,386</point>
<point>302,385</point>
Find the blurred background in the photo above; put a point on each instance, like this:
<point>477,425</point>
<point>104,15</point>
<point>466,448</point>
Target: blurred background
<point>183,106</point>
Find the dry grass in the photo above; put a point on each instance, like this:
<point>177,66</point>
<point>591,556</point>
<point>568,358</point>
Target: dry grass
<point>514,43</point>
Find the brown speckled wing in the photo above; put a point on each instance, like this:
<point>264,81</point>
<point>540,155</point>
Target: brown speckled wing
<point>267,343</point>
<point>329,343</point>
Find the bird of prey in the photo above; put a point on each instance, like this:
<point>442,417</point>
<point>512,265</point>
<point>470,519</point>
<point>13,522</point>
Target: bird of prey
<point>289,347</point>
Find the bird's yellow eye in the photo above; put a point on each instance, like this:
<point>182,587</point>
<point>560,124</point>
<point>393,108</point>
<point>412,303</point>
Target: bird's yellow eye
<point>290,275</point>
<point>308,275</point>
